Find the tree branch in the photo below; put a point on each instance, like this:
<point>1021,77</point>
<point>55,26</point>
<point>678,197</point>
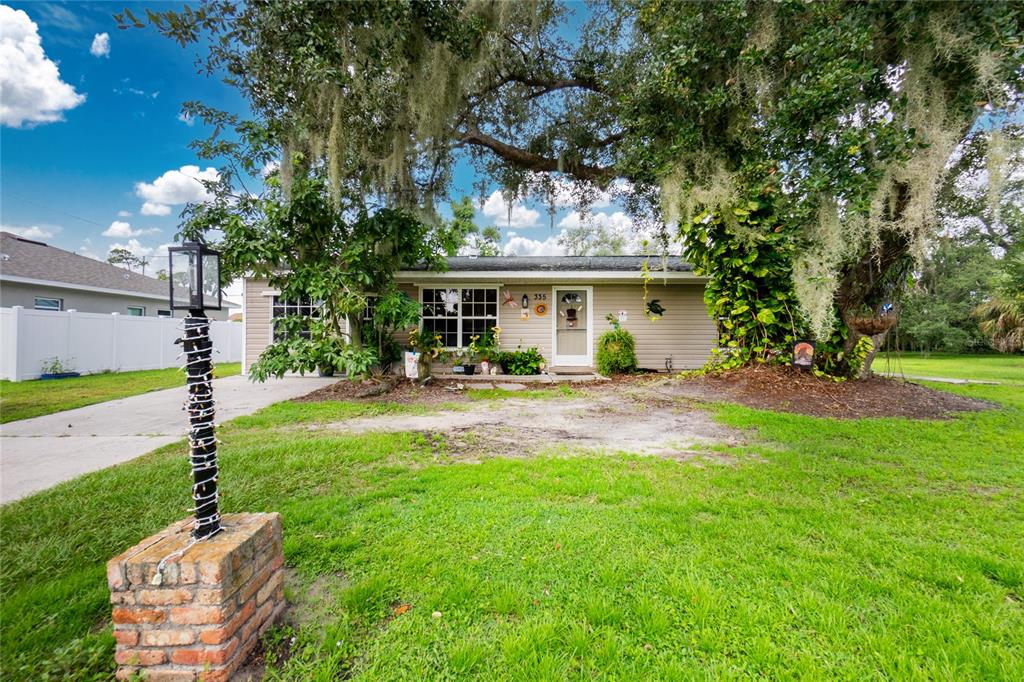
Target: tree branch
<point>528,160</point>
<point>544,85</point>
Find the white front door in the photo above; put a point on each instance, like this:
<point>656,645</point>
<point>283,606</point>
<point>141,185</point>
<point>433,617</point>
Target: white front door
<point>572,326</point>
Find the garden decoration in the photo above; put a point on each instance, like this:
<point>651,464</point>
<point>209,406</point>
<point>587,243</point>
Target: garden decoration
<point>194,276</point>
<point>450,298</point>
<point>508,298</point>
<point>540,310</point>
<point>655,309</point>
<point>803,354</point>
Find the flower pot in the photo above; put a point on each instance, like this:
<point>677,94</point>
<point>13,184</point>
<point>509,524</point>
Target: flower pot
<point>60,375</point>
<point>326,371</point>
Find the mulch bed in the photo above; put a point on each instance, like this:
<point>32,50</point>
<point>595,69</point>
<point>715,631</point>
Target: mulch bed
<point>787,389</point>
<point>778,388</point>
<point>436,390</point>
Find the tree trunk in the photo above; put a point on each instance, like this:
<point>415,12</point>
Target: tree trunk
<point>876,345</point>
<point>868,282</point>
<point>355,330</point>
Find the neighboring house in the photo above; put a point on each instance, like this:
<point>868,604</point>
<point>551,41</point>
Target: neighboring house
<point>35,275</point>
<point>568,299</point>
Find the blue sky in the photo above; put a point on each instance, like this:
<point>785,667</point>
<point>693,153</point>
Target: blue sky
<point>94,153</point>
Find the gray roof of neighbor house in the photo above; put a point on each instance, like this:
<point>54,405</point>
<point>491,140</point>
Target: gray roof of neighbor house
<point>27,259</point>
<point>561,263</point>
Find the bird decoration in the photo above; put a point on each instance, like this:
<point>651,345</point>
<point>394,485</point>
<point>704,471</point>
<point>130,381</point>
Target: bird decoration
<point>450,298</point>
<point>654,308</point>
<point>509,299</point>
<point>572,297</point>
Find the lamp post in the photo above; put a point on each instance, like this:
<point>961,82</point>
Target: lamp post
<point>194,276</point>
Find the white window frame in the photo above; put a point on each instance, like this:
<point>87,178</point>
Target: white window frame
<point>136,307</point>
<point>313,305</point>
<point>459,317</point>
<point>60,303</point>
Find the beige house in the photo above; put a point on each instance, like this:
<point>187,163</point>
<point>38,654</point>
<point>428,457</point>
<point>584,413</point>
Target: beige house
<point>558,304</point>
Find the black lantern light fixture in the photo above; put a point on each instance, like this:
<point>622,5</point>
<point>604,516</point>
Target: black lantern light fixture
<point>526,301</point>
<point>194,274</point>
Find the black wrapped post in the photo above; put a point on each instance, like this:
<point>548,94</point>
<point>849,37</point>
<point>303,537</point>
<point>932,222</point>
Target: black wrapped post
<point>198,351</point>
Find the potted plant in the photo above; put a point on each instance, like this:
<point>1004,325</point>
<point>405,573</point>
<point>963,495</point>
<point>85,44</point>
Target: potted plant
<point>488,349</point>
<point>53,368</point>
<point>466,358</point>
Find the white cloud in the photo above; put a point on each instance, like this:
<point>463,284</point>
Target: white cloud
<point>619,226</point>
<point>134,246</point>
<point>618,221</point>
<point>175,187</point>
<point>149,208</point>
<point>124,230</point>
<point>119,229</point>
<point>565,193</point>
<point>156,255</point>
<point>269,167</point>
<point>187,119</point>
<point>497,208</point>
<point>30,82</point>
<point>136,91</point>
<point>100,45</point>
<point>33,231</point>
<point>159,259</point>
<point>124,214</point>
<point>53,14</point>
<point>522,246</point>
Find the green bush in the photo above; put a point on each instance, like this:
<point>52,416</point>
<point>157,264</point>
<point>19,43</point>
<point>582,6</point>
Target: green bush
<point>520,362</point>
<point>616,352</point>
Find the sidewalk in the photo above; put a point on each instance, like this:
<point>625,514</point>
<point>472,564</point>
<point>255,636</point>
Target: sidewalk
<point>40,452</point>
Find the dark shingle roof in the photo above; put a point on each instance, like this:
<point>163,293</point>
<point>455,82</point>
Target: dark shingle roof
<point>35,260</point>
<point>560,263</point>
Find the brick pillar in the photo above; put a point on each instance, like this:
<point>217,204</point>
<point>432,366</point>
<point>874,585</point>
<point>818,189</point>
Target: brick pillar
<point>201,618</point>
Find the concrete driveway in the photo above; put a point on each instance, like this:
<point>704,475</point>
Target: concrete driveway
<point>40,452</point>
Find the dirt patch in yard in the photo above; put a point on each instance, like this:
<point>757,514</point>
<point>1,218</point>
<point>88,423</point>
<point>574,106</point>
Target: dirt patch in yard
<point>405,392</point>
<point>787,389</point>
<point>661,426</point>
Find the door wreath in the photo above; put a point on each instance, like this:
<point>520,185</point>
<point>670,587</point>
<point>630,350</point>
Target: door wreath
<point>541,309</point>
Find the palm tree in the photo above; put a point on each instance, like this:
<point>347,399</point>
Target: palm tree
<point>1002,319</point>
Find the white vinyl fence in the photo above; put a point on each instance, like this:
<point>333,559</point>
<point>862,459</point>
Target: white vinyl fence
<point>95,342</point>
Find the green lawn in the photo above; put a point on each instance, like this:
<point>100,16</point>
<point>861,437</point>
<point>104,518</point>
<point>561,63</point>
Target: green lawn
<point>24,399</point>
<point>871,549</point>
<point>1002,367</point>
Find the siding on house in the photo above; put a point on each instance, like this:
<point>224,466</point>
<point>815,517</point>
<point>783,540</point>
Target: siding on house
<point>685,333</point>
<point>258,303</point>
<point>17,293</point>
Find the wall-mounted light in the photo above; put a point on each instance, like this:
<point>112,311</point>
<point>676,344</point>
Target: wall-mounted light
<point>526,301</point>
